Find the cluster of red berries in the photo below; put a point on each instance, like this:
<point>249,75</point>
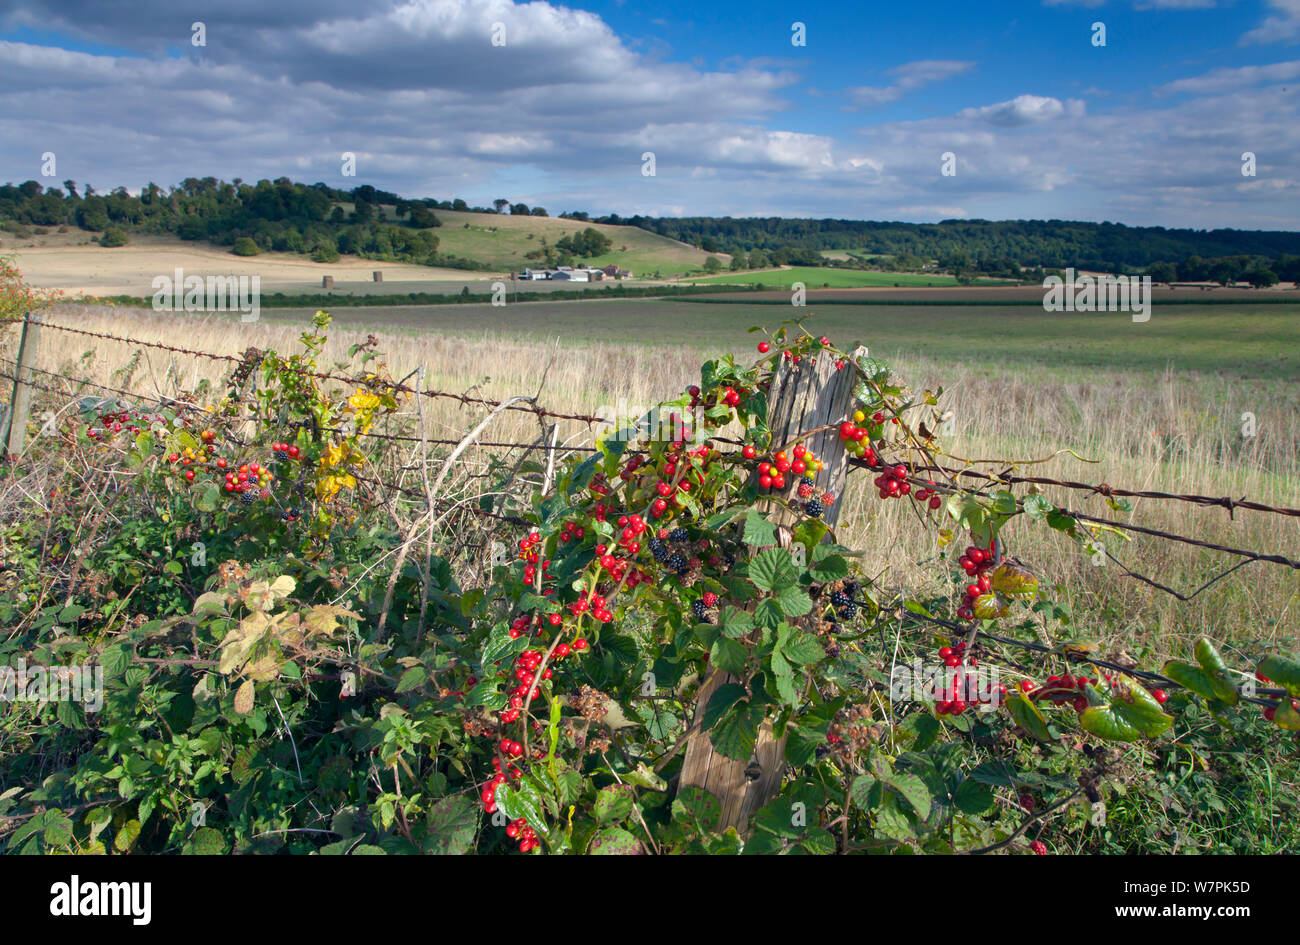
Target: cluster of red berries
<point>527,836</point>
<point>892,483</point>
<point>771,475</point>
<point>130,420</point>
<point>975,561</point>
<point>964,691</point>
<point>764,347</point>
<point>929,495</point>
<point>285,451</point>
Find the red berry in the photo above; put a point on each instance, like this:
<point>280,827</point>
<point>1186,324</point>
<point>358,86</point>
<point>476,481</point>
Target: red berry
<point>1159,695</point>
<point>764,347</point>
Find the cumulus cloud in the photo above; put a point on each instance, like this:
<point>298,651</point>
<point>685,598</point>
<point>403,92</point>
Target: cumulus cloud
<point>1025,110</point>
<point>561,115</point>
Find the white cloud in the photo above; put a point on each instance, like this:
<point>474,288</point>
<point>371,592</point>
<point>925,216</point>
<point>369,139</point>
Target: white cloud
<point>1282,25</point>
<point>910,76</point>
<point>1025,110</point>
<point>1224,80</point>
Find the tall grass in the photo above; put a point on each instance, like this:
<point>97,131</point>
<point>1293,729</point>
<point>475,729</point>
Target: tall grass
<point>1171,432</point>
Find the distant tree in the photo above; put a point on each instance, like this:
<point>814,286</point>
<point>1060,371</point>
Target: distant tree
<point>518,210</point>
<point>736,263</point>
<point>539,211</point>
<point>500,203</point>
<point>459,205</point>
<point>422,217</point>
<point>1193,269</point>
<point>758,260</point>
<point>245,246</point>
<point>1262,278</point>
<point>1224,272</point>
<point>1163,272</point>
<point>113,236</point>
<point>337,215</point>
<point>712,264</point>
<point>362,212</point>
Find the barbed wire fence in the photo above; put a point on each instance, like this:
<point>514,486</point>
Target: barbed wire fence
<point>23,375</point>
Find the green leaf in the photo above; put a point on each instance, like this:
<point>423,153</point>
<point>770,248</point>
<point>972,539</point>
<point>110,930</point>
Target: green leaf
<point>784,677</point>
<point>1026,715</point>
<point>694,804</point>
<point>1036,507</point>
<point>1013,581</point>
<point>1132,713</point>
<point>523,800</point>
<point>1217,672</point>
<point>486,693</point>
<point>973,797</point>
<point>772,570</point>
<point>1283,671</point>
<point>413,678</point>
<point>729,656</point>
<point>205,842</point>
<point>615,841</point>
<point>722,699</point>
<point>794,602</point>
<point>912,789</point>
<point>803,648</point>
<point>759,532</point>
<point>737,732</point>
<point>450,826</point>
<point>865,791</point>
<point>1192,678</point>
<point>126,836</point>
<point>58,828</point>
<point>735,623</point>
<point>614,803</point>
<point>499,645</point>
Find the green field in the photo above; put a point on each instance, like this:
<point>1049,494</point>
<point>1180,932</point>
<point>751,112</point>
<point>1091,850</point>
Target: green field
<point>816,278</point>
<point>1256,341</point>
<point>501,241</point>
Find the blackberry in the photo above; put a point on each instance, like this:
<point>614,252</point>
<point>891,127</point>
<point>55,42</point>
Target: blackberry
<point>813,508</point>
<point>730,558</point>
<point>805,489</point>
<point>679,534</point>
<point>658,550</point>
<point>849,611</point>
<point>840,599</point>
<point>281,455</point>
<point>697,608</point>
<point>678,563</point>
<point>248,497</point>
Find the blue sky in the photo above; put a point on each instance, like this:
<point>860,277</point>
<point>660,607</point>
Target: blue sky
<point>1148,130</point>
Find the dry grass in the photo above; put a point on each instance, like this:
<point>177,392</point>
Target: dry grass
<point>1159,433</point>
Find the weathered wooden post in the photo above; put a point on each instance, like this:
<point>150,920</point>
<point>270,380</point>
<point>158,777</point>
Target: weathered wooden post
<point>804,397</point>
<point>378,275</point>
<point>20,400</point>
<point>327,282</point>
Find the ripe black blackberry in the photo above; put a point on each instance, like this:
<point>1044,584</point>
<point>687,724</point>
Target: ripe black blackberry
<point>679,534</point>
<point>658,550</point>
<point>813,508</point>
<point>678,563</point>
<point>281,454</point>
<point>248,497</point>
<point>840,599</point>
<point>849,611</point>
<point>698,608</point>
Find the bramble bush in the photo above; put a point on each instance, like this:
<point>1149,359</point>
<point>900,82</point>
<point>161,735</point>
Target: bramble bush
<point>272,683</point>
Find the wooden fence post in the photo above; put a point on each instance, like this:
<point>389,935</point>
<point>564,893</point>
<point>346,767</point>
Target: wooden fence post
<point>20,400</point>
<point>804,397</point>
